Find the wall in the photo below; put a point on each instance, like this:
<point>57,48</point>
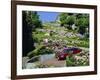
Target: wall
<point>5,32</point>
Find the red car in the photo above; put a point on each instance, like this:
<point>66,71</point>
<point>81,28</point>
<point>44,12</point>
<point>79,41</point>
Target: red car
<point>66,52</point>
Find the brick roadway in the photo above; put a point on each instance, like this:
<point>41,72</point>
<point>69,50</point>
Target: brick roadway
<point>54,62</point>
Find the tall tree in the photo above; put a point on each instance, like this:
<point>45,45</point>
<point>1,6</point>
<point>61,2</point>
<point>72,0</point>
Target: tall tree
<point>70,21</point>
<point>63,18</point>
<point>83,23</point>
<point>30,21</point>
<point>67,19</point>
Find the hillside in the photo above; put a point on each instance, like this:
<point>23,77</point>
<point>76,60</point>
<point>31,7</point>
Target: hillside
<point>60,36</point>
<point>44,39</point>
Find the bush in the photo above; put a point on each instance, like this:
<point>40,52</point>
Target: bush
<point>70,61</point>
<point>40,50</point>
<point>44,50</point>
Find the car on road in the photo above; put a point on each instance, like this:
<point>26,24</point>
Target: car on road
<point>67,51</point>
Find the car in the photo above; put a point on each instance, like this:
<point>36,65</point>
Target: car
<point>67,51</point>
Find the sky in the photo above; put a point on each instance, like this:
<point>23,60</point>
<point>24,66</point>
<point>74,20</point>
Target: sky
<point>47,16</point>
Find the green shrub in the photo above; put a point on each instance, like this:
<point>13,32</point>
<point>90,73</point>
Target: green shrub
<point>70,61</point>
<point>40,50</point>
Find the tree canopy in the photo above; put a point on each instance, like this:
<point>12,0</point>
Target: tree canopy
<point>30,21</point>
<point>80,20</point>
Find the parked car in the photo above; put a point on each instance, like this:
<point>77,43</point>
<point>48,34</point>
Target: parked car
<point>65,52</point>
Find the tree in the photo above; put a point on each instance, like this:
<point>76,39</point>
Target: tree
<point>70,21</point>
<point>33,19</point>
<point>82,23</point>
<point>63,17</point>
<point>30,21</point>
<point>67,19</point>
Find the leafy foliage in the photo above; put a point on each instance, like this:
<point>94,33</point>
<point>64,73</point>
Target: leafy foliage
<point>40,50</point>
<point>66,19</point>
<point>70,21</point>
<point>70,61</point>
<point>30,22</point>
<point>63,18</point>
<point>80,20</point>
<point>33,19</point>
<point>82,24</point>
